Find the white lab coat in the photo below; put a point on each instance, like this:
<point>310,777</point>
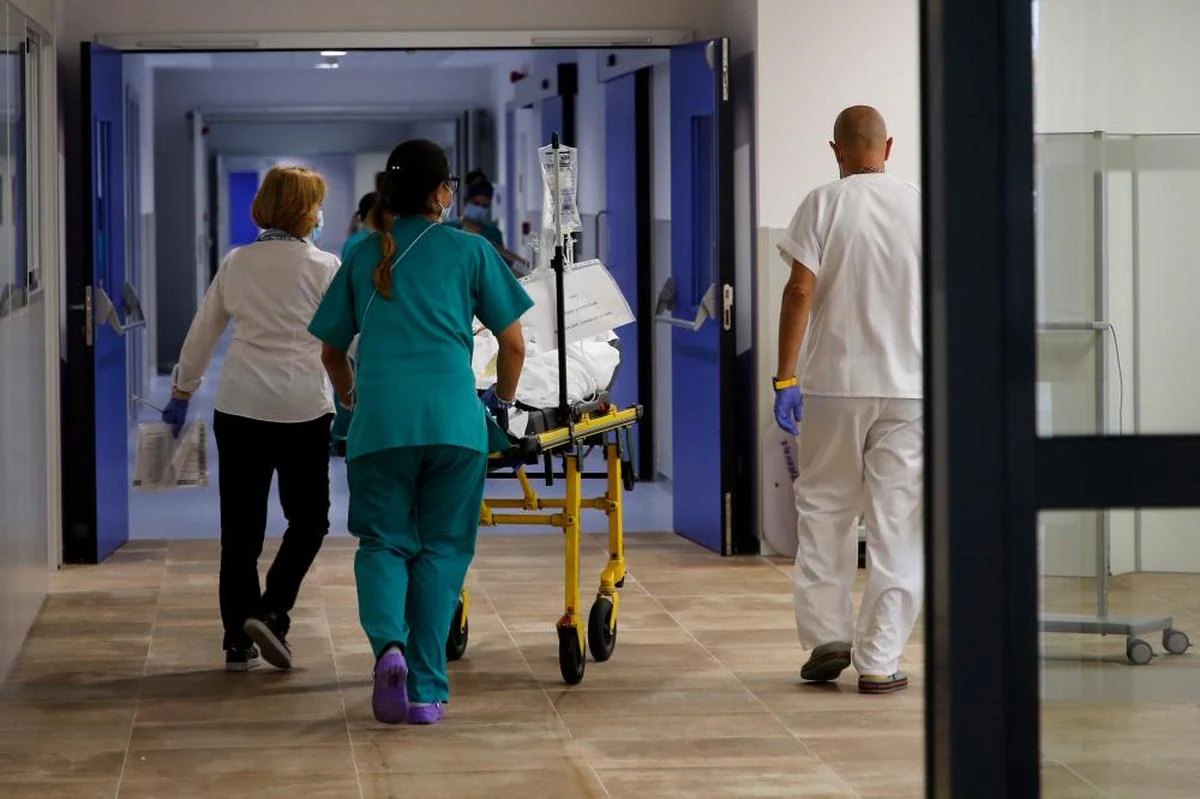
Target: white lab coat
<point>862,440</point>
<point>272,372</point>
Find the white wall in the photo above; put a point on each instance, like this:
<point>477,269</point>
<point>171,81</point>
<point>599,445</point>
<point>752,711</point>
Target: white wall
<point>812,59</point>
<point>1127,67</point>
<point>366,166</point>
<point>29,421</point>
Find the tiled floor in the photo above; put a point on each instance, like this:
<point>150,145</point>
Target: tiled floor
<point>119,693</point>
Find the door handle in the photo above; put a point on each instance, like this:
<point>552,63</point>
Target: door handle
<point>707,309</point>
<point>105,312</point>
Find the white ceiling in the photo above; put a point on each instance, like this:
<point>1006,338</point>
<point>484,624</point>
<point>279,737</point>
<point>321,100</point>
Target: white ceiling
<point>363,59</point>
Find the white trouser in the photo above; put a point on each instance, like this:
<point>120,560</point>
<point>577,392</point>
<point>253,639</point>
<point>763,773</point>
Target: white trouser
<point>860,456</point>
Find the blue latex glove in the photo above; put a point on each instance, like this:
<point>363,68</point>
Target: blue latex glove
<point>492,401</point>
<point>789,409</point>
<point>175,414</point>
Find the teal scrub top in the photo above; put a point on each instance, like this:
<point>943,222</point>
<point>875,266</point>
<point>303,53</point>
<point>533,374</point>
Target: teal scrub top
<point>358,236</point>
<point>488,230</point>
<point>414,381</point>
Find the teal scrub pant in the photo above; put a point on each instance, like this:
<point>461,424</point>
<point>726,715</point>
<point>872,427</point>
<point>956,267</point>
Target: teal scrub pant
<point>415,512</point>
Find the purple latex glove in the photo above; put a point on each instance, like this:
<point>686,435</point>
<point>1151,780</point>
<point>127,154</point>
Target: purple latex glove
<point>492,401</point>
<point>175,414</point>
<point>789,409</point>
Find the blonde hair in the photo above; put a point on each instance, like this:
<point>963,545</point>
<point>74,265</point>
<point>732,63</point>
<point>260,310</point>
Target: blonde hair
<point>287,200</point>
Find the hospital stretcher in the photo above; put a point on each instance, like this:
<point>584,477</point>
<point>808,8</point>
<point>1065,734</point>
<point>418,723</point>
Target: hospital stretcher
<point>562,435</point>
<point>556,437</point>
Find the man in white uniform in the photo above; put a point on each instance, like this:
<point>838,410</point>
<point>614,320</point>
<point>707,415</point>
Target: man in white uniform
<point>854,248</point>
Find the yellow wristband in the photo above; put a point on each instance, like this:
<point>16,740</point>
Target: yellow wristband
<point>782,384</point>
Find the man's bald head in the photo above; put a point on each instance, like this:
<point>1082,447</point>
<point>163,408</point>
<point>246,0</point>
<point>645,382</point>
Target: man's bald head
<point>860,140</point>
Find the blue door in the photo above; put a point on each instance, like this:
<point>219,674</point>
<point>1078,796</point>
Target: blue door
<point>627,254</point>
<point>97,438</point>
<point>556,111</point>
<point>512,235</point>
<point>242,188</point>
<point>707,504</point>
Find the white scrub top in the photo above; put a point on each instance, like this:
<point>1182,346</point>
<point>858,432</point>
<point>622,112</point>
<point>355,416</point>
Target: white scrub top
<point>272,372</point>
<point>861,237</point>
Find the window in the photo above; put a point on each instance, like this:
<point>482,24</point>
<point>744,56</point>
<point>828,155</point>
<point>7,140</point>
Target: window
<point>34,159</point>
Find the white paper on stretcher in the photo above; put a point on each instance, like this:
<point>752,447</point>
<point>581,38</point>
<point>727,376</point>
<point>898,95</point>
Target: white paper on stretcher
<point>593,304</point>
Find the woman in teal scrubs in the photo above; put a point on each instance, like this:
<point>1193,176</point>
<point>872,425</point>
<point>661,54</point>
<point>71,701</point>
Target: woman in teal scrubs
<point>418,442</point>
<point>477,216</point>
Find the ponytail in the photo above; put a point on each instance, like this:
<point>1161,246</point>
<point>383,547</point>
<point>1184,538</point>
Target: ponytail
<point>415,170</point>
<point>382,220</point>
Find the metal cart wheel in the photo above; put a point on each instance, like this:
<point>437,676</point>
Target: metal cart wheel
<point>602,630</point>
<point>1175,642</point>
<point>460,633</point>
<point>571,658</point>
<point>1138,651</point>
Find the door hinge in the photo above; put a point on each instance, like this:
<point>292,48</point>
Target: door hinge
<point>728,523</point>
<point>89,323</point>
<point>727,307</point>
<point>724,70</point>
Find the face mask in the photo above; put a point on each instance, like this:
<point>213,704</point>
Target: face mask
<point>477,213</point>
<point>445,214</point>
<point>316,231</point>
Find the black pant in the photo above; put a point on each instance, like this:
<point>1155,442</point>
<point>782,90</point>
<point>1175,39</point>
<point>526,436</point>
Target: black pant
<point>249,452</point>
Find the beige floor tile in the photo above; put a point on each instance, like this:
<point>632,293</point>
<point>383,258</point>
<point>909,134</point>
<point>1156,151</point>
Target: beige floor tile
<point>860,724</point>
<point>743,753</point>
<point>28,716</point>
<point>806,778</point>
<point>614,725</point>
<point>723,697</point>
<point>266,765</point>
<point>87,753</point>
<point>249,705</point>
<point>462,745</point>
<point>248,733</point>
<point>14,788</point>
<point>260,785</point>
<point>1059,782</point>
<point>573,780</point>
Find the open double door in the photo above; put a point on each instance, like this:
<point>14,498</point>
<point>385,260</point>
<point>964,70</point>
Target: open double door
<point>712,492</point>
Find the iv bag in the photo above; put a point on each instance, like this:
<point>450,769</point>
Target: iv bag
<point>560,169</point>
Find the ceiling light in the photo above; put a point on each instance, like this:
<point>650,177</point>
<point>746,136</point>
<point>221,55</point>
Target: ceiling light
<point>328,65</point>
<point>333,53</point>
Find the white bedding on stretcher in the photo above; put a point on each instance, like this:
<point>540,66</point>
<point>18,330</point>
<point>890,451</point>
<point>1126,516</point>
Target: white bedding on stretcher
<point>591,364</point>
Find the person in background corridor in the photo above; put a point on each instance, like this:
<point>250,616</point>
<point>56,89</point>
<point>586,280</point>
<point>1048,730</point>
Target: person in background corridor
<point>854,250</point>
<point>360,227</point>
<point>273,410</point>
<point>417,449</point>
<point>478,193</point>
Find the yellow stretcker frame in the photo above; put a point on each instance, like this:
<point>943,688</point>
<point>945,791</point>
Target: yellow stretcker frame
<point>600,425</point>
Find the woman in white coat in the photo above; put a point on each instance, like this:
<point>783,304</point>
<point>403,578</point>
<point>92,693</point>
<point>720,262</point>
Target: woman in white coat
<point>273,410</point>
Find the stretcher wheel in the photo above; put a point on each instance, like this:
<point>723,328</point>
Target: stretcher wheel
<point>460,632</point>
<point>1138,651</point>
<point>1175,641</point>
<point>602,632</point>
<point>571,658</point>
